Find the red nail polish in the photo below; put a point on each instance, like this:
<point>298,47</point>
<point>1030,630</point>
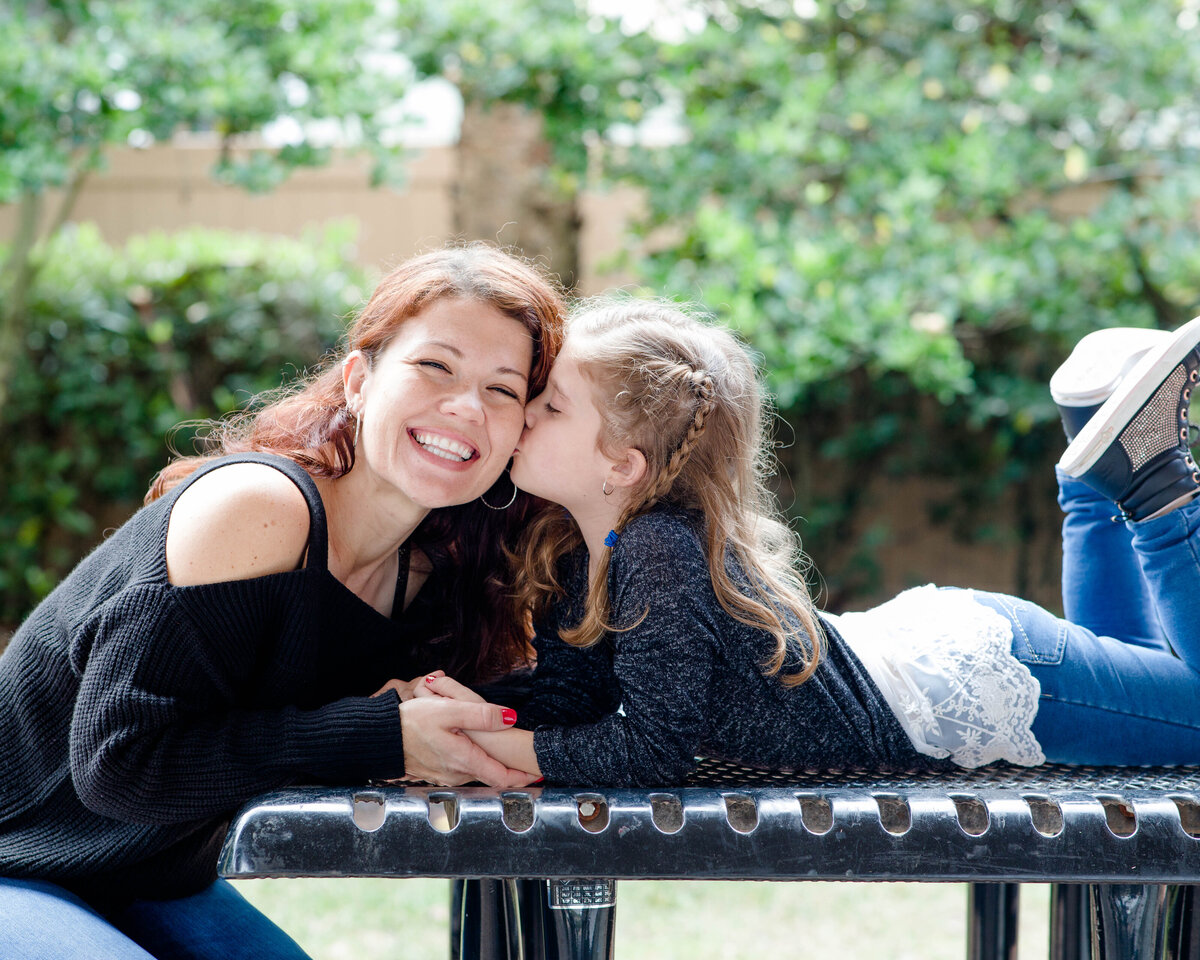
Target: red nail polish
<point>430,678</point>
<point>509,715</point>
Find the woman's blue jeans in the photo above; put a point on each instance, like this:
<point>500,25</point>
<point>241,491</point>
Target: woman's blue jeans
<point>40,920</point>
<point>1120,674</point>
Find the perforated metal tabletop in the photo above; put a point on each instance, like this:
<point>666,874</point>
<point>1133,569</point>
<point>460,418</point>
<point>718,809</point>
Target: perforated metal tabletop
<point>1132,834</point>
<point>999,823</point>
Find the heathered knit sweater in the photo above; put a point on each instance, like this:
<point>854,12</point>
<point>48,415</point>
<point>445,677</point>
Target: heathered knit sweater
<point>689,679</point>
<point>136,716</point>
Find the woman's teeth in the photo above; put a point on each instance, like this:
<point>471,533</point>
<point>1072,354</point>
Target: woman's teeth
<point>444,447</point>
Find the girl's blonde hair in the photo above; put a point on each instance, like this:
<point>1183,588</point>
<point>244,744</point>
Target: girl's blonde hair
<point>686,394</point>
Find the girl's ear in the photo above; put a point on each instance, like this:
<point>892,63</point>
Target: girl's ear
<point>629,470</point>
<point>354,374</point>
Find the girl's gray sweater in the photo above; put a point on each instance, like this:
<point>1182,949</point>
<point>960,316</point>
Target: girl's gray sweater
<point>689,680</point>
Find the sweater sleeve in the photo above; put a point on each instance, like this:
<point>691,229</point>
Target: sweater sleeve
<point>571,685</point>
<point>165,727</point>
<point>664,667</point>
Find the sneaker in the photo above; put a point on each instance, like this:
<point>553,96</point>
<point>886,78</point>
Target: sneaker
<point>1135,450</point>
<point>1095,367</point>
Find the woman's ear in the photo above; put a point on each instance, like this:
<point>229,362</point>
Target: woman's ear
<point>354,374</point>
<point>629,470</point>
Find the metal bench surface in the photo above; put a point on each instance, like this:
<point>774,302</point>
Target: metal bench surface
<point>1051,823</point>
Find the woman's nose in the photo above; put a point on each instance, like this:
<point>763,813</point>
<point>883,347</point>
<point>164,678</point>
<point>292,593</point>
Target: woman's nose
<point>466,403</point>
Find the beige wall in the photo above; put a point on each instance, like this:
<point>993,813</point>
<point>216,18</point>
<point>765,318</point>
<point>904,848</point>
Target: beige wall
<point>170,188</point>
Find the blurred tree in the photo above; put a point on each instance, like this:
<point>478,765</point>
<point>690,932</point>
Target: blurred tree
<point>540,80</point>
<point>903,199</point>
<point>125,346</point>
<point>77,77</point>
<point>912,207</point>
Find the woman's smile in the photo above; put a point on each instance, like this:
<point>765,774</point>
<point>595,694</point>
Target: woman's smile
<point>441,445</point>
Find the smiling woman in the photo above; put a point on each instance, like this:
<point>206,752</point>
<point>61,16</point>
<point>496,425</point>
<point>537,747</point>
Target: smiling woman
<point>258,622</point>
<point>442,406</point>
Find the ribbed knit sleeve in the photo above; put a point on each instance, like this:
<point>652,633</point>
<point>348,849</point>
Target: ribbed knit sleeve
<point>163,730</point>
<point>663,667</point>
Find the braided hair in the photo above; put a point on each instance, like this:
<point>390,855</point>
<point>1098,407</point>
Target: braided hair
<point>685,393</point>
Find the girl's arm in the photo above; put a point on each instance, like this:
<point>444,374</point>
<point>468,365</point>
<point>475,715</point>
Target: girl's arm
<point>513,748</point>
<point>663,666</point>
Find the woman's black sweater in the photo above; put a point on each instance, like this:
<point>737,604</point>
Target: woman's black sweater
<point>136,716</point>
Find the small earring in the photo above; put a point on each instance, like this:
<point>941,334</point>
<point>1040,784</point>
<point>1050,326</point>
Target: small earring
<point>357,429</point>
<point>511,500</point>
<point>604,489</point>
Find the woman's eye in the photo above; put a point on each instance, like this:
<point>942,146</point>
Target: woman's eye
<point>508,392</point>
<point>550,408</point>
<point>434,364</point>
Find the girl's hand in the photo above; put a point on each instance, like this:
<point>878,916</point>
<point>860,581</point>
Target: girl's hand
<point>436,749</point>
<point>407,689</point>
<point>513,748</point>
<point>437,684</point>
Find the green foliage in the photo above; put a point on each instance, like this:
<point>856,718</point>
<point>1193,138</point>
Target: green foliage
<point>121,346</point>
<point>912,208</point>
<point>576,69</point>
<point>877,194</point>
<point>76,77</point>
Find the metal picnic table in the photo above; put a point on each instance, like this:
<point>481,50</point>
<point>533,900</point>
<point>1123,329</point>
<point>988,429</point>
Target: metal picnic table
<point>537,868</point>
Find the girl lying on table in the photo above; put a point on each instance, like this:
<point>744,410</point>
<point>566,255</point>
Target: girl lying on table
<point>668,587</point>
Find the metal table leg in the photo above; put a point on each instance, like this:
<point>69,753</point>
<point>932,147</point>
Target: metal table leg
<point>1189,922</point>
<point>1070,922</point>
<point>1144,922</point>
<point>580,919</point>
<point>485,921</point>
<point>992,912</point>
<point>532,919</point>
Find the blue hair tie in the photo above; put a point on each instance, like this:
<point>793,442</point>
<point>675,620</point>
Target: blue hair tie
<point>611,539</point>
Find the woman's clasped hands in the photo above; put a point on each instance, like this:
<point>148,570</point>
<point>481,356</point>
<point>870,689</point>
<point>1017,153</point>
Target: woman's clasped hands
<point>437,713</point>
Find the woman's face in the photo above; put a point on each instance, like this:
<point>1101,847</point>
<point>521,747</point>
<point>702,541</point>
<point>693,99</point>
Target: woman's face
<point>443,405</point>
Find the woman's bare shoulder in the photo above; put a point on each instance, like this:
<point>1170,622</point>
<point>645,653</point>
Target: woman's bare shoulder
<point>239,521</point>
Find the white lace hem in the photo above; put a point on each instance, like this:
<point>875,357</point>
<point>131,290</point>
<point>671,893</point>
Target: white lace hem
<point>944,664</point>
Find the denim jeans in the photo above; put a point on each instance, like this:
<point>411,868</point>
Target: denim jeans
<point>1120,675</point>
<point>40,920</point>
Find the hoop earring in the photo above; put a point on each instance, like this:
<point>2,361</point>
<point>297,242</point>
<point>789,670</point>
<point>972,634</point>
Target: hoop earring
<point>604,489</point>
<point>511,500</point>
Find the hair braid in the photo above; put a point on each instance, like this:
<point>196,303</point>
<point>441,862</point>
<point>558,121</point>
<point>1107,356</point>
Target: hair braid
<point>701,385</point>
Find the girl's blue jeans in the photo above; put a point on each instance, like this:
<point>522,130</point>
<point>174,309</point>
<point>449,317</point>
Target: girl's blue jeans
<point>1120,674</point>
<point>40,920</point>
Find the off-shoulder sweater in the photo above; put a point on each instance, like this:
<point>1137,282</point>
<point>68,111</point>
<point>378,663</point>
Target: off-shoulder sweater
<point>136,716</point>
<point>689,680</point>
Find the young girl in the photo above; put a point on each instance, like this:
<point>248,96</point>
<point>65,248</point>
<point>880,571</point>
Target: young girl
<point>667,586</point>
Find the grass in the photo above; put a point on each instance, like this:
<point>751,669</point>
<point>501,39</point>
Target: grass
<point>700,920</point>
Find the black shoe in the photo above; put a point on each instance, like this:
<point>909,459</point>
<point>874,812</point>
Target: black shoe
<point>1134,450</point>
<point>1094,370</point>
